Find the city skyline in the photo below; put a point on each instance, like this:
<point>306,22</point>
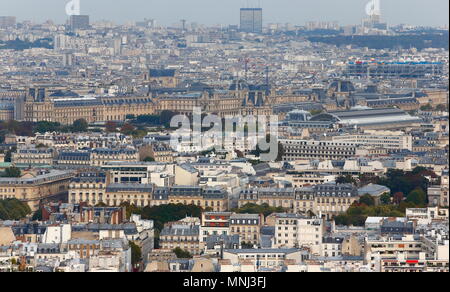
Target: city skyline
<point>421,13</point>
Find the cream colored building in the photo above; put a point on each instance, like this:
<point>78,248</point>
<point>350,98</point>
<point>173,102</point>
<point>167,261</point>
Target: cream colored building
<point>31,189</point>
<point>295,231</point>
<point>378,139</point>
<point>186,175</point>
<point>247,226</point>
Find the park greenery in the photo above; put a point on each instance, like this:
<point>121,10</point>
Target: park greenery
<point>29,129</point>
<point>20,45</point>
<point>182,254</point>
<point>13,209</point>
<point>357,214</point>
<point>428,107</point>
<point>11,172</point>
<point>163,214</point>
<point>264,209</point>
<point>136,254</point>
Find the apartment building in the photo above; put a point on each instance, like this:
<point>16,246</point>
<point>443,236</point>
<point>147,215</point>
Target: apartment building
<point>213,199</point>
<point>261,258</point>
<point>388,248</point>
<point>33,156</point>
<point>214,224</point>
<point>31,189</point>
<point>333,199</point>
<point>101,156</point>
<point>438,196</point>
<point>322,150</point>
<point>184,236</point>
<point>410,253</point>
<point>161,153</point>
<point>186,175</point>
<point>159,174</point>
<point>378,139</point>
<point>74,159</point>
<point>295,231</point>
<point>293,200</point>
<point>247,226</point>
<point>88,188</point>
<point>425,216</point>
<point>332,247</point>
<point>139,195</point>
<point>303,179</point>
<point>328,199</point>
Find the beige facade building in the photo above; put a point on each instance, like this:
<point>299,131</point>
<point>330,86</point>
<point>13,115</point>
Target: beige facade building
<point>33,156</point>
<point>378,139</point>
<point>324,150</point>
<point>295,231</point>
<point>31,189</point>
<point>247,226</point>
<point>183,236</point>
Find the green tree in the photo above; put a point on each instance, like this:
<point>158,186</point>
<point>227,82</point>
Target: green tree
<point>111,127</point>
<point>166,117</point>
<point>398,198</point>
<point>168,213</point>
<point>44,126</point>
<point>182,254</point>
<point>346,180</point>
<point>127,129</point>
<point>427,107</point>
<point>136,254</point>
<point>441,108</point>
<point>281,152</point>
<point>385,199</point>
<point>13,209</point>
<point>12,172</point>
<point>80,125</point>
<point>356,215</point>
<point>246,245</point>
<point>418,197</point>
<point>149,159</point>
<point>264,209</point>
<point>367,200</point>
<point>37,216</point>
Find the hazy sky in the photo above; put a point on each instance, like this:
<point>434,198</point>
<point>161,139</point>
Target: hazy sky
<point>416,12</point>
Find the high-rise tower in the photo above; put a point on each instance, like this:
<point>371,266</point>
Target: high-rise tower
<point>251,20</point>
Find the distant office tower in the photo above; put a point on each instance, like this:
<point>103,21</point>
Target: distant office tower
<point>251,20</point>
<point>68,60</point>
<point>79,22</point>
<point>116,44</point>
<point>7,21</point>
<point>61,42</point>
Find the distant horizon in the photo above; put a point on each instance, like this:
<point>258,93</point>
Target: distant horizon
<point>430,13</point>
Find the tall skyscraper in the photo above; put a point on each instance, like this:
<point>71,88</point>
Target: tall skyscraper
<point>251,20</point>
<point>79,22</point>
<point>7,21</point>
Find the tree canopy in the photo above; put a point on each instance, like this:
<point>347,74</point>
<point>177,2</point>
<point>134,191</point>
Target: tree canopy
<point>12,172</point>
<point>367,200</point>
<point>13,209</point>
<point>182,254</point>
<point>80,126</point>
<point>264,209</point>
